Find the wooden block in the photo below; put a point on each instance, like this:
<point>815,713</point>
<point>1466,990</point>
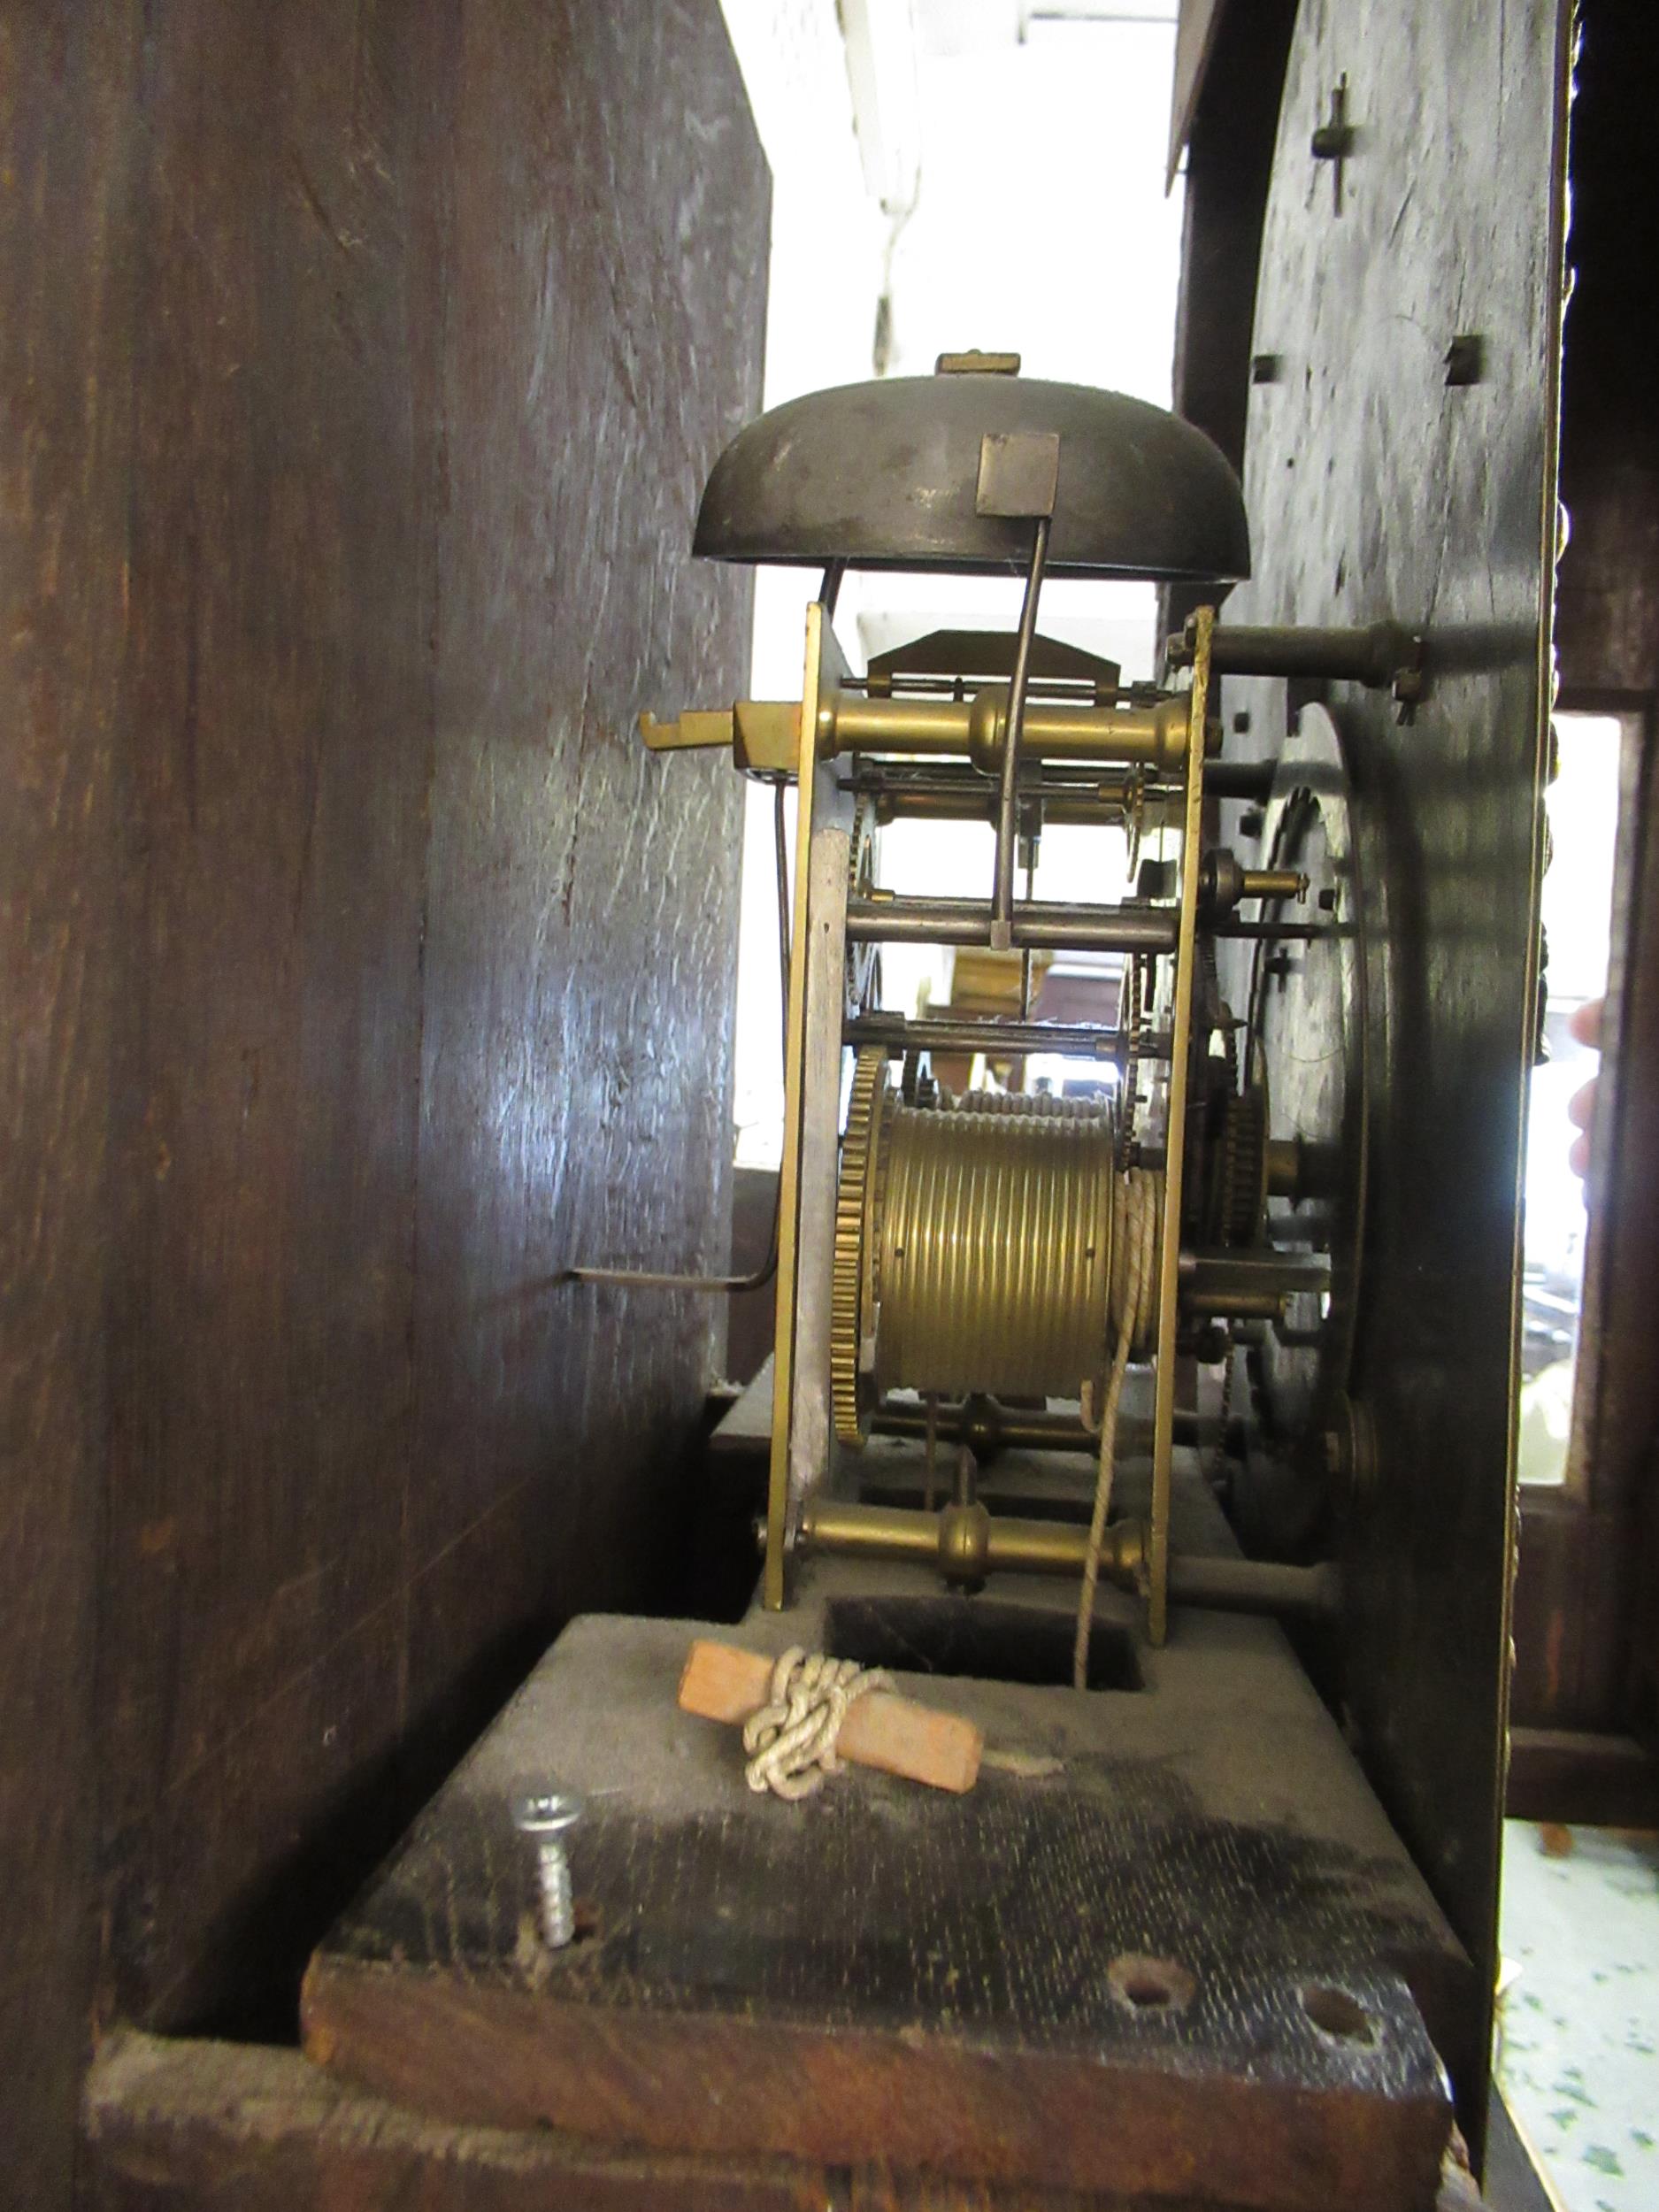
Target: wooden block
<point>856,2002</point>
<point>722,1682</point>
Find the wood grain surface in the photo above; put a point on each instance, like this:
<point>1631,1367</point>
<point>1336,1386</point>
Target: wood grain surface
<point>1607,617</point>
<point>66,80</point>
<point>1379,489</point>
<point>361,369</point>
<point>178,2125</point>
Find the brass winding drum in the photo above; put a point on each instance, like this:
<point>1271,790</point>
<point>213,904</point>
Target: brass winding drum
<point>975,1248</point>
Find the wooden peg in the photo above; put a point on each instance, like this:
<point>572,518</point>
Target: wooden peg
<point>721,1682</point>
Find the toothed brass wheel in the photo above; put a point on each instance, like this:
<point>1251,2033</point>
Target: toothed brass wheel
<point>1244,1180</point>
<point>975,1248</point>
<point>848,1397</point>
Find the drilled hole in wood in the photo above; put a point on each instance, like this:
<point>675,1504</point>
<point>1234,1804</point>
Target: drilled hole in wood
<point>586,1916</point>
<point>1149,1985</point>
<point>1334,2013</point>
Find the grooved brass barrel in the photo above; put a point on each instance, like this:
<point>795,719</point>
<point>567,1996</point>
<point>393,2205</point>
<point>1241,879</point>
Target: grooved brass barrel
<point>993,1263</point>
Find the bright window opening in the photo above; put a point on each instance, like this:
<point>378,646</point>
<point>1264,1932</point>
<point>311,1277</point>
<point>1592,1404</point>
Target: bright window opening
<point>1583,803</point>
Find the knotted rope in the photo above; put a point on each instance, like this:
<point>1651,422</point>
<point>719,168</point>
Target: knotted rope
<point>1138,1226</point>
<point>791,1739</point>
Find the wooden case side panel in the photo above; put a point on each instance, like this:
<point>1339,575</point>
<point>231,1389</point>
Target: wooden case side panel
<point>67,79</point>
<point>361,370</point>
<point>426,982</point>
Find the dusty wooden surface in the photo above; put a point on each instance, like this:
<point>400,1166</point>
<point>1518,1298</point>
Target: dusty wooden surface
<point>361,368</point>
<point>946,1982</point>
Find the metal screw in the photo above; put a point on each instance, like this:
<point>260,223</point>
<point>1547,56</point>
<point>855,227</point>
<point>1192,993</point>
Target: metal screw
<point>545,1815</point>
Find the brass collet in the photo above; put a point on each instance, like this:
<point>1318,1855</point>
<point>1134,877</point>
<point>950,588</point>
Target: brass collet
<point>966,1543</point>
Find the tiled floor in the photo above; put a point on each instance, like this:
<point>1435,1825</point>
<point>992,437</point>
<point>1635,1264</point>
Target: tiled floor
<point>1579,2054</point>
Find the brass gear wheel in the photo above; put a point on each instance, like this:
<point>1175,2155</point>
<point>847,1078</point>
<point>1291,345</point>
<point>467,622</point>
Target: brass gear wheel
<point>852,1214</point>
<point>1244,1174</point>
